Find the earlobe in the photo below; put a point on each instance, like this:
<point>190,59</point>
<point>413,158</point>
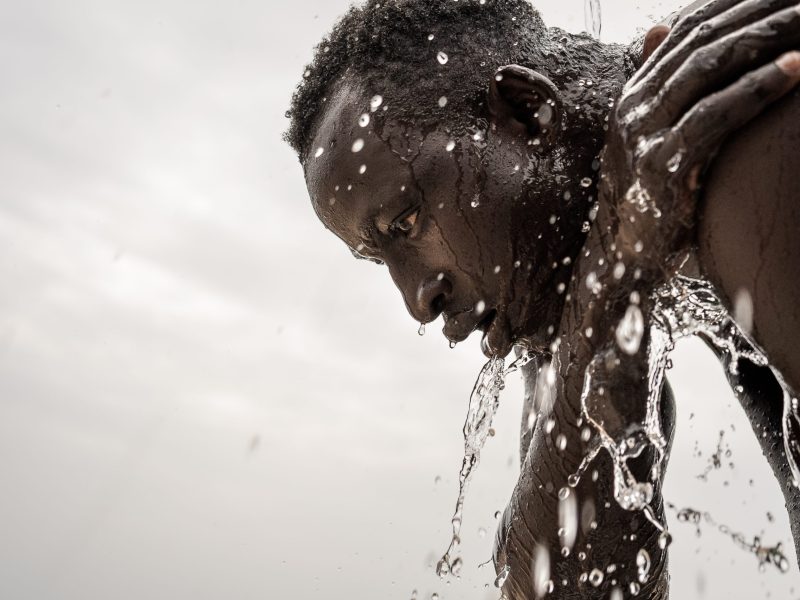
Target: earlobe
<point>525,101</point>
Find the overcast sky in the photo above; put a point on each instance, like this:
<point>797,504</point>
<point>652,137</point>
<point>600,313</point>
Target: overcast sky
<point>202,396</point>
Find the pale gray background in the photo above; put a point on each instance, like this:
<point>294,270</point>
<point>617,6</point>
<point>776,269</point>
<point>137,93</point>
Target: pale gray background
<point>202,395</point>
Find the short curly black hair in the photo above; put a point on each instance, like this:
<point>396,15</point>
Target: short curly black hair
<point>414,52</point>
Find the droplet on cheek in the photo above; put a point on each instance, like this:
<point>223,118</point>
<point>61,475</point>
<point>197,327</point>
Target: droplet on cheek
<point>358,145</point>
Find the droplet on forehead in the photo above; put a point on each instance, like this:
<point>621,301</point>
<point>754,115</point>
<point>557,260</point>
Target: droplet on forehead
<point>376,101</point>
<point>362,169</point>
<point>363,120</point>
<point>319,152</point>
<point>442,58</point>
<point>358,145</point>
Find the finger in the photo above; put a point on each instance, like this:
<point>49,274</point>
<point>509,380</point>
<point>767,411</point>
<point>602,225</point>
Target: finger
<point>712,67</point>
<point>653,39</point>
<point>711,120</point>
<point>721,19</point>
<point>683,27</point>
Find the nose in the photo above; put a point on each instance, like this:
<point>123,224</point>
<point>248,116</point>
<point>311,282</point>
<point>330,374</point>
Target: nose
<point>431,297</point>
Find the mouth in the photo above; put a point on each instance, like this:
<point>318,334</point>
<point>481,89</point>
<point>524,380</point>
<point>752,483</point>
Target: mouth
<point>496,340</point>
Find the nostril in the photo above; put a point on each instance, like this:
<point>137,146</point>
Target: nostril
<point>432,296</point>
<point>437,304</point>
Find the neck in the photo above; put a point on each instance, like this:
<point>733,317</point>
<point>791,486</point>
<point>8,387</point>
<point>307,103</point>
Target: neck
<point>590,76</point>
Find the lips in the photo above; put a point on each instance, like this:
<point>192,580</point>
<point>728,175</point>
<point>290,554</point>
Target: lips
<point>496,339</point>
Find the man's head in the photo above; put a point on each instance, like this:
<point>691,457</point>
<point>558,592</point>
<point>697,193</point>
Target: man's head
<point>455,141</point>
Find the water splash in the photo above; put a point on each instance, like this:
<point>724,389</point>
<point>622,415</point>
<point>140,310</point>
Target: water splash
<point>593,17</point>
<point>483,404</point>
<point>681,308</point>
<point>766,555</point>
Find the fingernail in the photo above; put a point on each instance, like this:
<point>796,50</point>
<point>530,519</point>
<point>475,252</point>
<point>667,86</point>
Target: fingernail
<point>789,63</point>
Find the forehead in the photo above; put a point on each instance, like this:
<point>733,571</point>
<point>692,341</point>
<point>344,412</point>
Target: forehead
<point>350,170</point>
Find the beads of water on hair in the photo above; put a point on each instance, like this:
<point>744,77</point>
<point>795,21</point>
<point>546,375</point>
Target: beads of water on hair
<point>442,102</point>
<point>358,145</point>
<point>363,120</point>
<point>430,37</point>
<point>450,146</point>
<point>442,58</point>
<point>586,182</point>
<point>362,169</point>
<point>561,441</point>
<point>596,577</point>
<point>549,425</point>
<point>375,102</point>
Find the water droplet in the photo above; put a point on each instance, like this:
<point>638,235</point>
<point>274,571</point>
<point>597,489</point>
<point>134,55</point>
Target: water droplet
<point>480,306</point>
<point>421,329</point>
<point>496,269</point>
<point>442,58</point>
<point>502,577</point>
<point>456,567</point>
<point>362,169</point>
<point>619,270</point>
<point>635,588</point>
<point>638,246</point>
<point>643,565</point>
<point>630,330</point>
<point>319,152</point>
<point>430,37</point>
<point>452,344</point>
<point>586,182</point>
<point>442,101</point>
<point>596,577</point>
<point>664,540</point>
<point>481,532</point>
<point>375,102</point>
<point>743,310</point>
<point>363,120</point>
<point>541,570</point>
<point>358,145</point>
<point>561,441</point>
<point>450,146</point>
<point>475,203</point>
<point>674,163</point>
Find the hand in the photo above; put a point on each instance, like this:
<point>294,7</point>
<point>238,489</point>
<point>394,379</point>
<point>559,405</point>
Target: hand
<point>712,74</point>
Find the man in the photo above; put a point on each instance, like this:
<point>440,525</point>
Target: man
<point>458,143</point>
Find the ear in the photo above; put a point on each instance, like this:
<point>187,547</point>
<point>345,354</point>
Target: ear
<point>526,101</point>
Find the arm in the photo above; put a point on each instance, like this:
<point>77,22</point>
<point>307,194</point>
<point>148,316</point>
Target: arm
<point>669,122</point>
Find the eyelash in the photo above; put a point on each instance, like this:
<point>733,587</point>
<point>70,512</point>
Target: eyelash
<point>397,225</point>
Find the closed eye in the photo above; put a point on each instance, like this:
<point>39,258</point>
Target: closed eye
<point>406,221</point>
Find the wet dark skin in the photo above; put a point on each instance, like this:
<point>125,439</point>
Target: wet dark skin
<point>516,265</point>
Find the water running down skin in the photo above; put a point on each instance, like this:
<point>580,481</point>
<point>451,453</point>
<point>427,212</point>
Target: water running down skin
<point>416,239</point>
